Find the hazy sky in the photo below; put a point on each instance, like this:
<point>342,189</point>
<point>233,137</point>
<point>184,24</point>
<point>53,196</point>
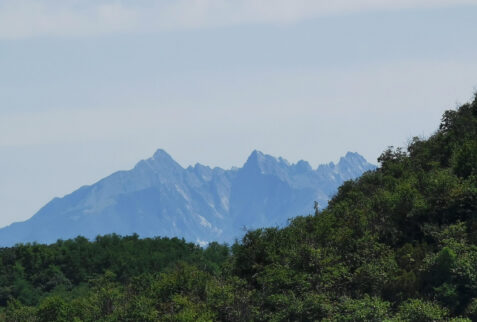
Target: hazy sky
<point>90,87</point>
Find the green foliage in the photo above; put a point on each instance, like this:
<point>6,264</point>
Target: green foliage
<point>365,309</point>
<point>16,312</point>
<point>53,309</point>
<point>465,160</point>
<point>421,311</point>
<point>398,244</point>
<point>471,310</point>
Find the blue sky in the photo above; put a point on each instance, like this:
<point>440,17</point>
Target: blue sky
<point>91,87</point>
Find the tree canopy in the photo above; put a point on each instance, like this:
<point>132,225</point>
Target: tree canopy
<point>397,244</point>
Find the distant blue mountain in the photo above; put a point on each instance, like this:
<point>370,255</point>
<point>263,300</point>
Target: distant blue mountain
<point>160,198</point>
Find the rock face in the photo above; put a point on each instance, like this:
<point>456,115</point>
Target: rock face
<point>160,198</point>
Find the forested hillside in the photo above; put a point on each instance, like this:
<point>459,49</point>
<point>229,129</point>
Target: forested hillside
<point>398,244</point>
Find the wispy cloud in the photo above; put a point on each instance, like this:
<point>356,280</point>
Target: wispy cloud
<point>30,18</point>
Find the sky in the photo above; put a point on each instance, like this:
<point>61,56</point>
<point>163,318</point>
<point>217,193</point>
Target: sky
<point>93,86</point>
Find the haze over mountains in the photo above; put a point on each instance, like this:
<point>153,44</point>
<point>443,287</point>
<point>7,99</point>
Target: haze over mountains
<point>158,197</point>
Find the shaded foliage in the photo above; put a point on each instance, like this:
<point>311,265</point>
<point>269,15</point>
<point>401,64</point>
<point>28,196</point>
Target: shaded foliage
<point>398,244</point>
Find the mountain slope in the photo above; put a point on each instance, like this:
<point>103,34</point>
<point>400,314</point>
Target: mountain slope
<point>160,198</point>
<point>397,244</point>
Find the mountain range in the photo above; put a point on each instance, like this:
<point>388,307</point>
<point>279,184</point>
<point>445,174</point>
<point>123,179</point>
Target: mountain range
<point>158,197</point>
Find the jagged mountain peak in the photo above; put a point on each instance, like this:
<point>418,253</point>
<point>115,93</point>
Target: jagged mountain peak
<point>200,166</point>
<point>158,197</point>
<point>302,166</point>
<point>260,158</point>
<point>352,164</point>
<point>162,155</point>
<point>255,157</point>
<point>160,162</point>
<point>354,157</point>
<point>259,162</point>
<point>351,159</point>
<point>203,171</point>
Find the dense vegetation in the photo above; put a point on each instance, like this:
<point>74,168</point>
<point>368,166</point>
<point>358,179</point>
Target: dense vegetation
<point>398,244</point>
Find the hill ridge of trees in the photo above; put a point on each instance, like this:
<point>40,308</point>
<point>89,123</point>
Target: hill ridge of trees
<point>397,244</point>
